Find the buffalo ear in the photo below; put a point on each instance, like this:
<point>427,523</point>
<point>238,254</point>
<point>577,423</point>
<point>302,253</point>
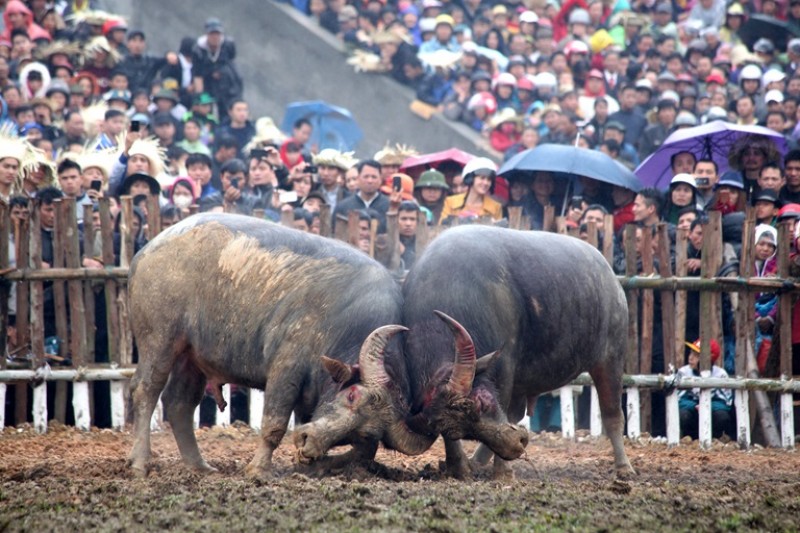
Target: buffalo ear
<point>339,371</point>
<point>484,362</point>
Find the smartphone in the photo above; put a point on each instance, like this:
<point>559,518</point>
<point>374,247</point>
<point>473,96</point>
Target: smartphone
<point>701,182</point>
<point>397,183</point>
<point>136,125</point>
<point>287,197</point>
<point>235,182</point>
<point>311,169</point>
<point>96,185</point>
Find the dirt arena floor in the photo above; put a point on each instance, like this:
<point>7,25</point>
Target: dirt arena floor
<point>68,480</point>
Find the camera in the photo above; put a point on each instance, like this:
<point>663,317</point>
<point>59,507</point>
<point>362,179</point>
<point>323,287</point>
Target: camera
<point>702,181</point>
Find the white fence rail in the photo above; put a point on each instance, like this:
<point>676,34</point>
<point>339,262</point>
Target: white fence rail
<point>633,384</point>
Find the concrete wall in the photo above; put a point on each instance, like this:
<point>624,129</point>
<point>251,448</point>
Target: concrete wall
<point>284,56</point>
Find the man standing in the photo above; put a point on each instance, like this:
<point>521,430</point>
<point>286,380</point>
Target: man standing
<point>647,207</point>
<point>407,216</point>
<point>140,67</point>
<point>331,167</point>
<point>238,125</point>
<point>213,68</point>
<point>367,195</point>
<point>71,182</point>
<point>790,192</point>
<point>656,134</point>
<point>706,177</point>
<point>629,116</point>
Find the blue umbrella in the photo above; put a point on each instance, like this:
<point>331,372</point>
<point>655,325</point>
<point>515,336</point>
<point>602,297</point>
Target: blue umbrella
<point>332,126</point>
<point>569,160</point>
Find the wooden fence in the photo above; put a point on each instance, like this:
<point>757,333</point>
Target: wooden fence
<point>75,291</point>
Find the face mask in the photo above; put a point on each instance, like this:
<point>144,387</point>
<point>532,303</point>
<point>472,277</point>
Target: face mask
<point>182,201</point>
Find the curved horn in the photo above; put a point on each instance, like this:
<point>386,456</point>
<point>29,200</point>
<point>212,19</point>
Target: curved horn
<point>464,366</point>
<point>401,438</point>
<point>370,359</point>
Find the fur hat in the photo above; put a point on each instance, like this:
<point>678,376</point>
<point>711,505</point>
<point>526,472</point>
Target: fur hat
<point>266,133</point>
<point>152,150</point>
<point>333,158</point>
<point>14,147</point>
<point>394,155</point>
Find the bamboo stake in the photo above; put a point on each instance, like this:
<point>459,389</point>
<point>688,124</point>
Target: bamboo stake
<point>287,218</point>
<point>525,225</point>
<point>126,255</point>
<point>592,235</point>
<point>373,236</point>
<point>340,229</point>
<point>77,311</point>
<point>5,290</point>
<point>88,289</point>
<point>325,220</point>
<point>22,244</point>
<point>153,217</point>
<point>353,230</point>
<point>632,362</point>
<point>744,332</point>
<point>423,234</point>
<point>785,302</point>
<point>667,299</point>
<point>59,293</point>
<point>549,218</point>
<point>37,321</point>
<point>681,269</point>
<point>608,239</point>
<point>126,231</point>
<point>514,217</point>
<point>112,317</point>
<point>392,240</point>
<point>646,342</point>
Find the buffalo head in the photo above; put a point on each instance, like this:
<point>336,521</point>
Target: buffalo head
<point>367,407</point>
<point>457,408</point>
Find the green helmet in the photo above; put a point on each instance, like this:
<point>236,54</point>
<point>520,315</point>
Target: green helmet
<point>432,178</point>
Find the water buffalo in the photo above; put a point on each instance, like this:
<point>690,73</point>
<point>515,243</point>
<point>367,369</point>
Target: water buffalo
<point>550,303</point>
<point>232,299</point>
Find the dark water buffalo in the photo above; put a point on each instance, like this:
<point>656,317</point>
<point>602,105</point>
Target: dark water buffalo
<point>231,299</point>
<point>550,302</point>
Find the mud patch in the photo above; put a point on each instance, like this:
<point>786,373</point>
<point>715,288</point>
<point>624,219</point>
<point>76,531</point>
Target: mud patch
<point>70,480</point>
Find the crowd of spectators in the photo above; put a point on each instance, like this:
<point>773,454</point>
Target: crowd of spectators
<point>538,71</point>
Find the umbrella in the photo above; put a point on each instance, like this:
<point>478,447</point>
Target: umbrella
<point>777,31</point>
<point>415,165</point>
<point>569,160</point>
<point>709,141</point>
<point>332,126</point>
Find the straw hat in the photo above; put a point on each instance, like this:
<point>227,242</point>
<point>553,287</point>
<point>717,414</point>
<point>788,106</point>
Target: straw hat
<point>266,133</point>
<point>506,114</point>
<point>14,147</point>
<point>334,158</point>
<point>394,155</point>
<point>102,159</point>
<point>100,43</point>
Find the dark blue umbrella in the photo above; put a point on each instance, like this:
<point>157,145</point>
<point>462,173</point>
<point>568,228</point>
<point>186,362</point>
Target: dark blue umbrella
<point>332,126</point>
<point>569,160</point>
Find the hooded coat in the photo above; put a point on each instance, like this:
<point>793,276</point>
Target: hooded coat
<point>34,30</point>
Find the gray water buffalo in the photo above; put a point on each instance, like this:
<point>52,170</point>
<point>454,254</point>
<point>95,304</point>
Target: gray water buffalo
<point>232,299</point>
<point>544,307</point>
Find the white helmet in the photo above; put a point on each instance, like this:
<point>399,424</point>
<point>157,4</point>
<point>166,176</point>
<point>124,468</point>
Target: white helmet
<point>479,163</point>
<point>750,72</point>
<point>688,179</point>
<point>545,79</point>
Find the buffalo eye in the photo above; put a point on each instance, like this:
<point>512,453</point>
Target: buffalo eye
<point>352,395</point>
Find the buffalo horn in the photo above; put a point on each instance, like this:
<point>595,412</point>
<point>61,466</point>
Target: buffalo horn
<point>465,361</point>
<point>370,360</point>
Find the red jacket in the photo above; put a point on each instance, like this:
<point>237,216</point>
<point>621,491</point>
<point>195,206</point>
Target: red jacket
<point>623,215</point>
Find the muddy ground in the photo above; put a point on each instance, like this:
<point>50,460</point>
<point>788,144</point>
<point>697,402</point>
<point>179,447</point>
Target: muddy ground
<point>67,480</point>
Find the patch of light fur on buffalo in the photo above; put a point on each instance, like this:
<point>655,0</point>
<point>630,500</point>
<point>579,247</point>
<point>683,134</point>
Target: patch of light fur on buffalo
<point>536,306</point>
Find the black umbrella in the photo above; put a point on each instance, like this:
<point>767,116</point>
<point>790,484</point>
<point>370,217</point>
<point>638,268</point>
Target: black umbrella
<point>777,31</point>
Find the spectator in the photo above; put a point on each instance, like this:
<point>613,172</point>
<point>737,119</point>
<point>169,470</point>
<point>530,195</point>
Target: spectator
<point>682,193</point>
<point>706,178</point>
<point>648,207</point>
<point>214,70</point>
<point>766,307</point>
<point>191,138</point>
<point>721,399</point>
<point>790,192</point>
<point>479,177</point>
<point>766,206</point>
<point>770,177</point>
<point>623,207</point>
<point>238,125</point>
<point>430,191</point>
<point>367,195</point>
<point>655,134</point>
<point>141,68</point>
<point>407,219</point>
<point>332,165</point>
<point>198,166</point>
<point>629,116</point>
<point>71,183</point>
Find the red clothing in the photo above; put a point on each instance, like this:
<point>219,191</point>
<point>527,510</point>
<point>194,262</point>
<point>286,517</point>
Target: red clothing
<point>623,215</point>
<point>502,141</point>
<point>34,30</point>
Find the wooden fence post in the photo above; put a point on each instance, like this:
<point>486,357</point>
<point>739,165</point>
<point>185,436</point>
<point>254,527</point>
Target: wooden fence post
<point>608,239</point>
<point>112,315</point>
<point>88,287</point>
<point>514,217</point>
<point>646,341</point>
<point>785,238</point>
<point>744,332</point>
<point>5,290</point>
<point>37,321</point>
<point>22,238</point>
<point>423,234</point>
<point>325,220</point>
<point>632,360</point>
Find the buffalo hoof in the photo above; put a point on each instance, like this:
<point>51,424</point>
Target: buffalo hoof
<point>625,472</point>
<point>204,468</point>
<point>457,470</point>
<point>502,471</point>
<point>252,471</point>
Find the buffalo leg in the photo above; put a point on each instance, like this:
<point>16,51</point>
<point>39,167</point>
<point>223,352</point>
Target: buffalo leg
<point>609,393</point>
<point>482,455</point>
<point>362,451</point>
<point>151,375</point>
<point>183,394</point>
<point>456,459</point>
<point>280,395</point>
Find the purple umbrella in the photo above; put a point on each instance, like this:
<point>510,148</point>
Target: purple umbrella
<point>709,141</point>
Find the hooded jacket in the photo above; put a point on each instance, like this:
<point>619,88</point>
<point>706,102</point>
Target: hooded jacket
<point>34,30</point>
